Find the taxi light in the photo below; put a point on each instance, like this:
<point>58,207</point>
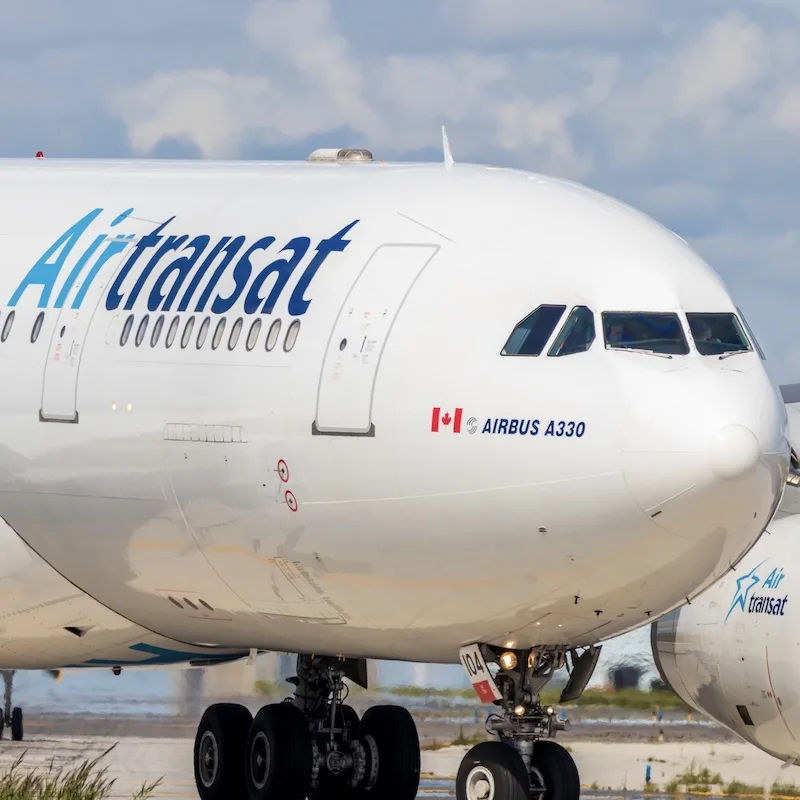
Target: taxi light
<point>508,660</point>
<point>519,710</point>
<point>549,711</point>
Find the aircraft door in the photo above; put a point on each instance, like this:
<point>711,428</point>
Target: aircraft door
<point>60,379</point>
<point>350,366</point>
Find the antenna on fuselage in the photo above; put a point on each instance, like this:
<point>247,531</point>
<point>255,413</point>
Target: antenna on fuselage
<point>448,156</point>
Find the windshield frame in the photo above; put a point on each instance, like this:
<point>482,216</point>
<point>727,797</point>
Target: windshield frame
<point>739,328</point>
<point>672,316</point>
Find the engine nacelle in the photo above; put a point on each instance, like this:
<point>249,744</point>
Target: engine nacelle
<point>734,652</point>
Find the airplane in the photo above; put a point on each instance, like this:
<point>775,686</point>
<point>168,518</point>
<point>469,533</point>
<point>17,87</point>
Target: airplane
<point>730,653</point>
<point>352,409</point>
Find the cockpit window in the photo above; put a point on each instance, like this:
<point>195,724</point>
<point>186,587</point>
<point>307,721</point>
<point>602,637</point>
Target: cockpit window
<point>532,334</point>
<point>715,334</point>
<point>577,334</point>
<point>648,332</point>
<point>751,335</point>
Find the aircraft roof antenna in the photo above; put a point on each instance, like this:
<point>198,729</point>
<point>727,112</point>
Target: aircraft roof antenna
<point>448,156</point>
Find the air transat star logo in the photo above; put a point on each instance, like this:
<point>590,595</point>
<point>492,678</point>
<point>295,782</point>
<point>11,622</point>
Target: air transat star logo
<point>744,586</point>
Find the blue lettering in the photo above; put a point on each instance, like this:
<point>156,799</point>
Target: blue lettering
<point>535,427</point>
<point>487,426</point>
<point>230,247</point>
<point>241,275</point>
<point>768,581</point>
<point>284,267</point>
<point>550,429</point>
<point>524,424</point>
<point>170,245</point>
<point>580,429</point>
<point>152,239</point>
<point>45,271</point>
<point>336,244</point>
<point>116,245</point>
<point>503,428</point>
<point>76,270</point>
<point>181,267</point>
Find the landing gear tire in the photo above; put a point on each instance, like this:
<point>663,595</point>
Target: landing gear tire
<point>279,754</point>
<point>219,751</point>
<point>553,769</point>
<point>493,771</point>
<point>393,733</point>
<point>337,787</point>
<point>16,725</point>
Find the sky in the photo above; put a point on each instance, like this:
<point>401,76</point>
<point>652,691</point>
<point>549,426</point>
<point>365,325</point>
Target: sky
<point>687,110</point>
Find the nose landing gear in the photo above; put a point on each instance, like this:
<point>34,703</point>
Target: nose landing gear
<point>311,745</point>
<point>525,762</point>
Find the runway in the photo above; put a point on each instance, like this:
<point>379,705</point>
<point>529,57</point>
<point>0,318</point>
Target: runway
<point>608,769</point>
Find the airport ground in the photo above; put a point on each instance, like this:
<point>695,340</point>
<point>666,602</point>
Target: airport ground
<point>612,749</point>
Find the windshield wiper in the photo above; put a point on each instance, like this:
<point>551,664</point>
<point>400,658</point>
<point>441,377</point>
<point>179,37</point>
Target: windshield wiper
<point>641,350</point>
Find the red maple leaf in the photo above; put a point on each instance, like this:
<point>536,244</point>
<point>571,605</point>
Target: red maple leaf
<point>446,418</point>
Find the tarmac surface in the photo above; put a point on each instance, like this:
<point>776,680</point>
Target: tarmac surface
<point>611,764</point>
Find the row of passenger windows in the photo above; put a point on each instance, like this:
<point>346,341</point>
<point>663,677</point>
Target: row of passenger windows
<point>714,334</point>
<point>253,333</point>
<point>187,336</point>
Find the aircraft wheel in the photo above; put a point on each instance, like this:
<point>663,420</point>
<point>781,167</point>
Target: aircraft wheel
<point>493,771</point>
<point>553,769</point>
<point>279,754</point>
<point>390,731</point>
<point>219,749</point>
<point>337,787</point>
<point>16,724</point>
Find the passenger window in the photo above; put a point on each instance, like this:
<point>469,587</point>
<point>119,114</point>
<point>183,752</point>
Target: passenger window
<point>218,331</point>
<point>751,335</point>
<point>577,334</point>
<point>173,331</point>
<point>187,333</point>
<point>272,335</point>
<point>236,332</point>
<point>142,329</point>
<point>37,327</point>
<point>126,331</point>
<point>252,336</point>
<point>650,333</point>
<point>7,326</point>
<point>203,332</point>
<point>715,334</point>
<point>157,331</point>
<point>291,335</point>
<point>532,334</point>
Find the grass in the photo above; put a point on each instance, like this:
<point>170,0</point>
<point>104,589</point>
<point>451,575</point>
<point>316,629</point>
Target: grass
<point>740,789</point>
<point>784,790</point>
<point>85,782</point>
<point>694,780</point>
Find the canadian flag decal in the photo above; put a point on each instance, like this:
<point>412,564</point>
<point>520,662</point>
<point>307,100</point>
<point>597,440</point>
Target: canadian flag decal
<point>453,422</point>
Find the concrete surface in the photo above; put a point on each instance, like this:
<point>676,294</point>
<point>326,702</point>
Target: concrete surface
<point>604,766</point>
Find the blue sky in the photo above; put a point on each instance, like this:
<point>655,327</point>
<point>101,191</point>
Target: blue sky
<point>688,110</point>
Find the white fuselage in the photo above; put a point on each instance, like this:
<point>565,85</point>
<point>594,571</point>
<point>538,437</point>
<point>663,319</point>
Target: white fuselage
<point>732,653</point>
<point>296,498</point>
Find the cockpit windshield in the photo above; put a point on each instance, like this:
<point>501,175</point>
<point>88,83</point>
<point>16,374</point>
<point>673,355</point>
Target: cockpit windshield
<point>715,334</point>
<point>649,332</point>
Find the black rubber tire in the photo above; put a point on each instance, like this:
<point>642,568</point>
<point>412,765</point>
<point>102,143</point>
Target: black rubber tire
<point>505,767</point>
<point>227,725</point>
<point>397,742</point>
<point>555,764</point>
<point>280,731</point>
<point>337,787</point>
<point>16,724</point>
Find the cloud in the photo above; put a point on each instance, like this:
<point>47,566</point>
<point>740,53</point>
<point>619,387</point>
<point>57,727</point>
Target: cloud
<point>503,20</point>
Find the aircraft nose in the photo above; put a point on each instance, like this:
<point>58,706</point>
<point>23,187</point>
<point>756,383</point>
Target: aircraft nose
<point>734,452</point>
<point>705,453</point>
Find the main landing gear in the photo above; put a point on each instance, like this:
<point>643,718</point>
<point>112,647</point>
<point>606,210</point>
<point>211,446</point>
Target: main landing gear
<point>524,762</point>
<point>11,717</point>
<point>311,745</point>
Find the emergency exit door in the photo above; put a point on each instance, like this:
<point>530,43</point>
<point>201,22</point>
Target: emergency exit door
<point>347,381</point>
<point>60,379</point>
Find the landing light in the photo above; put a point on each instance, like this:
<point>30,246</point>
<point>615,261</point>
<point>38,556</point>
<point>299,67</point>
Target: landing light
<point>519,710</point>
<point>549,711</point>
<point>508,660</point>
